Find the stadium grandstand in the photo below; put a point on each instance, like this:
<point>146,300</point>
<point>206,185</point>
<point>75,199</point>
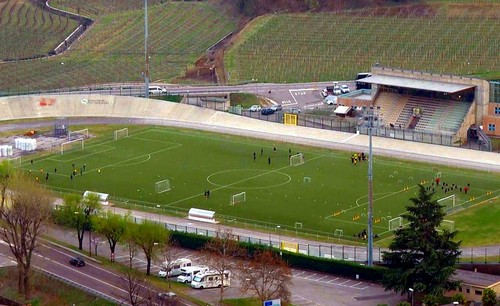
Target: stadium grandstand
<point>415,105</point>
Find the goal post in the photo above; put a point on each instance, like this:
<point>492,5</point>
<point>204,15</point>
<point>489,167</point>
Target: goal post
<point>448,202</point>
<point>238,198</point>
<point>162,186</point>
<point>83,133</point>
<point>297,159</point>
<point>77,144</point>
<point>15,162</point>
<point>447,225</point>
<point>395,223</point>
<point>121,133</point>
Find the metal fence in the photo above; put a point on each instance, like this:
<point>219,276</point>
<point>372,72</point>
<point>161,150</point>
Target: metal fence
<point>328,250</point>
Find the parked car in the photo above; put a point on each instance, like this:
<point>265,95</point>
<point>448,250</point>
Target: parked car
<point>324,93</point>
<point>293,110</point>
<point>255,108</point>
<point>168,298</point>
<point>267,111</point>
<point>276,107</point>
<point>344,89</point>
<point>77,262</point>
<point>331,100</point>
<point>336,90</point>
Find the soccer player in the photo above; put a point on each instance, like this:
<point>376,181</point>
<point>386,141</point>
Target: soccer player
<point>254,156</point>
<point>269,160</point>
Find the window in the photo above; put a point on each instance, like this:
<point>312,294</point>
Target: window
<point>478,292</point>
<point>467,290</point>
<point>497,110</point>
<point>460,289</point>
<point>491,127</point>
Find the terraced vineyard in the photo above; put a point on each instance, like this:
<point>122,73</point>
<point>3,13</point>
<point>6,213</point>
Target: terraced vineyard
<point>113,49</point>
<point>319,47</point>
<point>27,30</point>
<point>93,8</point>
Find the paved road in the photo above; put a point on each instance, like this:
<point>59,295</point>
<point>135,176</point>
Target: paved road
<point>93,277</point>
<point>308,288</point>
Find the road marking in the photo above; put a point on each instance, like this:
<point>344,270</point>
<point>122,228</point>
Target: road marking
<point>330,282</point>
<point>342,284</point>
<point>307,277</point>
<point>319,279</point>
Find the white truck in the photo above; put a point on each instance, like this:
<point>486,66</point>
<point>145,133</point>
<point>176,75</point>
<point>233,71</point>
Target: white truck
<point>188,273</point>
<point>174,268</point>
<point>211,279</point>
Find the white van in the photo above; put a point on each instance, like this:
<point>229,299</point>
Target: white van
<point>211,279</point>
<point>188,273</point>
<point>174,267</point>
<point>157,90</point>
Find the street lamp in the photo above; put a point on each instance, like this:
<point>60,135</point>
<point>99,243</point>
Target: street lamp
<point>411,292</point>
<point>88,210</point>
<point>278,227</point>
<point>146,51</point>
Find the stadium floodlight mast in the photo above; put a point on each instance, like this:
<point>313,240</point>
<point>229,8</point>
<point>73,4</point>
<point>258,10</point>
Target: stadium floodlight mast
<point>146,51</point>
<point>370,114</point>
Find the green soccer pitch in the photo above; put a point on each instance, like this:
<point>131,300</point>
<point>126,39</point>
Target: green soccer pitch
<point>326,194</point>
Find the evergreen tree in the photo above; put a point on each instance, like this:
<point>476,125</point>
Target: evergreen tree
<point>421,257</point>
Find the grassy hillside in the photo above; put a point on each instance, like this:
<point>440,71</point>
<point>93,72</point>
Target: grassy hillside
<point>94,8</point>
<point>113,49</point>
<point>453,39</point>
<point>27,30</point>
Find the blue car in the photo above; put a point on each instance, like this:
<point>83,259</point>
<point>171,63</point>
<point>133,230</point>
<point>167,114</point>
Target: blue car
<point>267,111</point>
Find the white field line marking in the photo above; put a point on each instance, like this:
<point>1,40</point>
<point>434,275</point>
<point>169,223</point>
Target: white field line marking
<point>349,138</point>
<point>108,148</point>
<point>240,181</point>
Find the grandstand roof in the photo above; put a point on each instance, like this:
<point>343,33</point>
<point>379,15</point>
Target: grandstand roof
<point>414,83</point>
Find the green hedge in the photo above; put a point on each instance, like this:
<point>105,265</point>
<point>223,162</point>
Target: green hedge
<point>295,260</point>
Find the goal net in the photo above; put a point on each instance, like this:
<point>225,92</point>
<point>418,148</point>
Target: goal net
<point>448,202</point>
<point>121,133</point>
<point>238,198</point>
<point>77,144</point>
<point>83,133</point>
<point>297,159</point>
<point>15,162</point>
<point>162,186</point>
<point>447,225</point>
<point>395,223</point>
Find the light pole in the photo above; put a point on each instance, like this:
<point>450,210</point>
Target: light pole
<point>370,115</point>
<point>146,51</point>
<point>411,292</point>
<point>88,210</point>
<point>278,227</point>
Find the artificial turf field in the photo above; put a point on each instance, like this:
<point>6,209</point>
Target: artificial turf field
<point>335,197</point>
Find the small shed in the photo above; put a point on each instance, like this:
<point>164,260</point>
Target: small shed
<point>343,111</point>
<point>202,215</point>
<point>103,197</point>
<point>473,284</point>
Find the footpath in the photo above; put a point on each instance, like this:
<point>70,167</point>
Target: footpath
<point>277,237</point>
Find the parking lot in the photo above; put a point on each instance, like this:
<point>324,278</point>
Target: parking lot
<point>308,288</point>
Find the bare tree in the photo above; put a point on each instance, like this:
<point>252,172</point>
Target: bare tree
<point>135,284</point>
<point>170,254</point>
<point>267,276</point>
<point>24,221</point>
<point>221,252</point>
<point>6,172</point>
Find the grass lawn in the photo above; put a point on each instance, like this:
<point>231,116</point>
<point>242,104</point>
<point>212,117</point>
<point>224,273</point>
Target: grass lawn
<point>46,291</point>
<point>476,224</point>
<point>326,194</point>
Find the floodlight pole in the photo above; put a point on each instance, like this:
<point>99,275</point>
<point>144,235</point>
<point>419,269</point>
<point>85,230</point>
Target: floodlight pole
<point>370,190</point>
<point>146,51</point>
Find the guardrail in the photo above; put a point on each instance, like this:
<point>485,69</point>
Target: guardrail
<point>81,287</point>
